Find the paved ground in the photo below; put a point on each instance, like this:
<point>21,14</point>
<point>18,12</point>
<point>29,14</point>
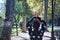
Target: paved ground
<point>25,36</point>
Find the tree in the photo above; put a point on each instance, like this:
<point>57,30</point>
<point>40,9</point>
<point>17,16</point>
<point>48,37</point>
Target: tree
<point>45,10</point>
<point>8,22</point>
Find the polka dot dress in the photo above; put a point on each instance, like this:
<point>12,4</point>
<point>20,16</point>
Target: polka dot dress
<point>36,29</point>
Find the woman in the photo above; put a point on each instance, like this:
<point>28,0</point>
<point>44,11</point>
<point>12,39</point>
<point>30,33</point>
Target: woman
<point>36,27</point>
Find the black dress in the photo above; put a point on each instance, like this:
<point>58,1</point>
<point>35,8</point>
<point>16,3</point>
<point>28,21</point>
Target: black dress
<point>36,28</point>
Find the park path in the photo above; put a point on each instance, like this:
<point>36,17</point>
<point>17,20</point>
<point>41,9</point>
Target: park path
<point>25,36</point>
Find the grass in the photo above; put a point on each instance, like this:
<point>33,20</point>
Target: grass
<point>50,28</point>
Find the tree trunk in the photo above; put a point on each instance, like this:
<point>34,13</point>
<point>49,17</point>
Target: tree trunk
<point>45,10</point>
<point>24,24</point>
<point>8,22</point>
<point>24,17</point>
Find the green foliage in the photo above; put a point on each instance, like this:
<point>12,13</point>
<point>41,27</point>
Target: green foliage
<point>28,7</point>
<point>21,9</point>
<point>35,5</point>
<point>2,15</point>
<point>13,33</point>
<point>57,8</point>
<point>57,33</point>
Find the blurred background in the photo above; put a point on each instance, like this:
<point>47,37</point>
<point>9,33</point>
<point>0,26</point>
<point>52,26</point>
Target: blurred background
<point>24,9</point>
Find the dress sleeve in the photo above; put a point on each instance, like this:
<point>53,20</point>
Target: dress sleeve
<point>29,22</point>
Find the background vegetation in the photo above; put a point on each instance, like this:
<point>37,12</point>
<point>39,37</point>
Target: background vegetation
<point>28,7</point>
